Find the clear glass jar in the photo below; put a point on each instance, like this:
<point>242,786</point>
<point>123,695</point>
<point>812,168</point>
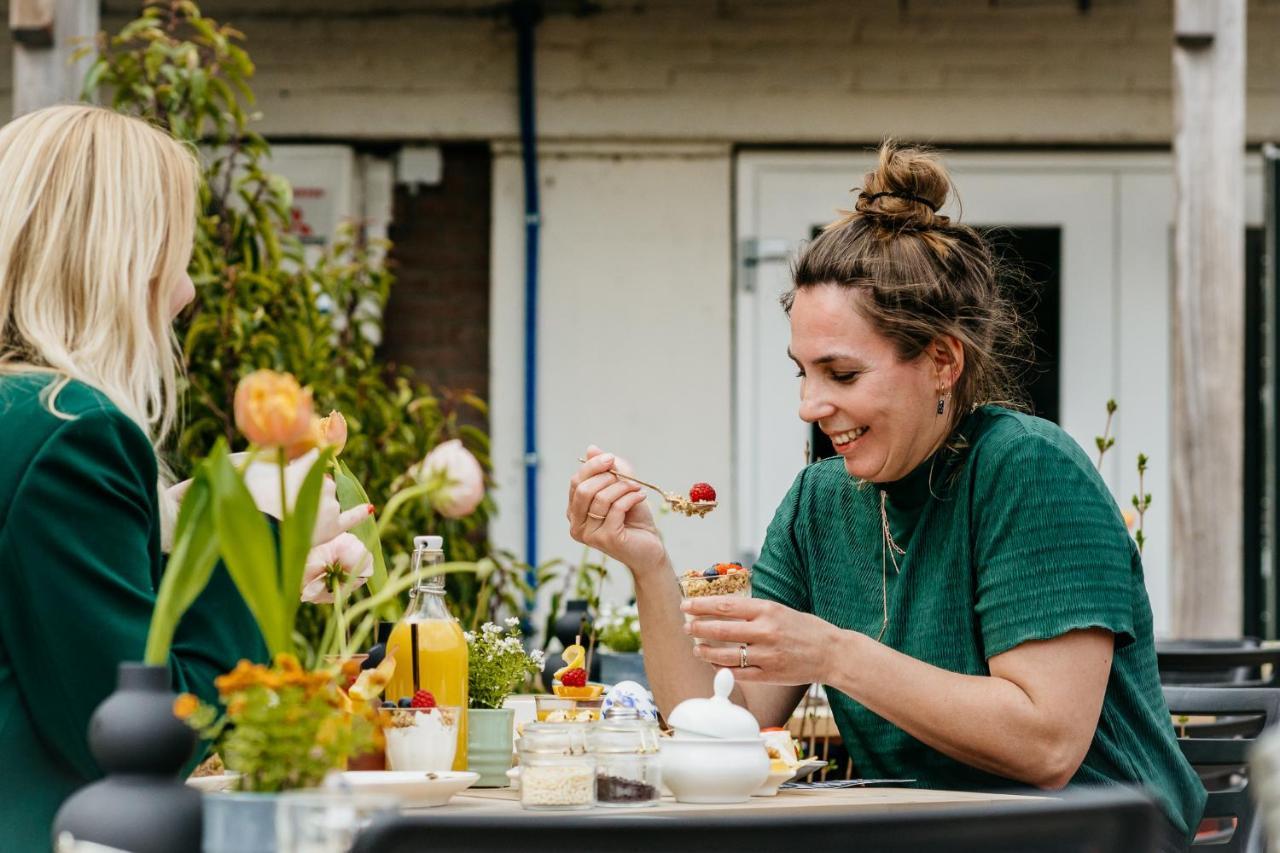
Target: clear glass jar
<point>557,771</point>
<point>628,767</point>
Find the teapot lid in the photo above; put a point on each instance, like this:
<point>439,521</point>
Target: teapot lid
<point>716,717</point>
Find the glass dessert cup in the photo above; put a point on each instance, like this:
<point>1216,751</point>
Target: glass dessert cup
<point>565,709</point>
<point>695,584</point>
<point>421,738</point>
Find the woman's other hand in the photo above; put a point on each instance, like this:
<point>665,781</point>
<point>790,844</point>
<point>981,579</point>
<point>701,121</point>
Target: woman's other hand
<point>262,478</point>
<point>784,646</point>
<point>610,514</point>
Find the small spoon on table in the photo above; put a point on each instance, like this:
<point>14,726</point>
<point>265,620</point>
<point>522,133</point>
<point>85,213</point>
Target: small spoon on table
<point>678,502</point>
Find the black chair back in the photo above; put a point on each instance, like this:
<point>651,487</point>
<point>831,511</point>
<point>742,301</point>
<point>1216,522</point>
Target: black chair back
<point>1221,756</point>
<point>1218,663</point>
<point>1098,820</point>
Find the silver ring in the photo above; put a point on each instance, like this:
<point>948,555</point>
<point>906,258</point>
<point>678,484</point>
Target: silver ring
<point>742,656</point>
<point>593,515</point>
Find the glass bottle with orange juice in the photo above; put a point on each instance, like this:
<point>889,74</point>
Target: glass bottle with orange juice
<point>427,643</point>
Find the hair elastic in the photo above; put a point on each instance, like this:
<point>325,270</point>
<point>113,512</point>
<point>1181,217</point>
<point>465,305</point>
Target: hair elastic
<point>905,195</point>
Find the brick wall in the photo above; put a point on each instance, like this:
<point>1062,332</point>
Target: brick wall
<point>438,315</point>
<point>1027,71</point>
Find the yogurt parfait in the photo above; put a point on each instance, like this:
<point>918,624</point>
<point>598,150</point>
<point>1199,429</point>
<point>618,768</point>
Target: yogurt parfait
<point>420,737</point>
<point>721,579</point>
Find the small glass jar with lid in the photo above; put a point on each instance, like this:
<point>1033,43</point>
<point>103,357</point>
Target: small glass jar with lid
<point>557,771</point>
<point>628,766</point>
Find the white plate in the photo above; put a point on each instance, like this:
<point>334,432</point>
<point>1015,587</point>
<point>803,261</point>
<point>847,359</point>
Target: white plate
<point>415,788</point>
<point>212,784</point>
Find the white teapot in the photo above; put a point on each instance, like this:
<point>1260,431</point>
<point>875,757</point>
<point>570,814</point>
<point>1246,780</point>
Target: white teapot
<point>716,754</point>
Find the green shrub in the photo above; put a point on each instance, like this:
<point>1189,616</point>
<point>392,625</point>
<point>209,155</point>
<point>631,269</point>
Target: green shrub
<point>259,303</point>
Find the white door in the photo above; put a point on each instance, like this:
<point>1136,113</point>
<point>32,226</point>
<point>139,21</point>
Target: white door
<point>1112,214</point>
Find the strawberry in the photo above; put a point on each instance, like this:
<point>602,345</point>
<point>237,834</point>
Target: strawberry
<point>576,677</point>
<point>422,699</point>
<point>701,493</point>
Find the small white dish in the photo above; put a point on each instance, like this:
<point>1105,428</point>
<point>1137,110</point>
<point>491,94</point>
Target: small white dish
<point>415,788</point>
<point>770,786</point>
<point>514,775</point>
<point>807,768</point>
<point>228,781</point>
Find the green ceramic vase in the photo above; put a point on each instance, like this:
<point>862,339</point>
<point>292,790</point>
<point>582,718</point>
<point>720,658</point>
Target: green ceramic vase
<point>489,745</point>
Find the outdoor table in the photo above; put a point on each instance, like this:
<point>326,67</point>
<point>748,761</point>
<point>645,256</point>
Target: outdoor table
<point>492,821</point>
<point>497,802</point>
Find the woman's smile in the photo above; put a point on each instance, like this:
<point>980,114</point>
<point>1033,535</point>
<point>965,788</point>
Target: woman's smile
<point>846,440</point>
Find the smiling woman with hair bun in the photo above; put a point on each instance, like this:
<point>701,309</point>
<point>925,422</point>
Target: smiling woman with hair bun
<point>959,577</point>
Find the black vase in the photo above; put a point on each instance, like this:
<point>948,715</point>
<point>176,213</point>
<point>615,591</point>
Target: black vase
<point>142,805</point>
<point>573,622</point>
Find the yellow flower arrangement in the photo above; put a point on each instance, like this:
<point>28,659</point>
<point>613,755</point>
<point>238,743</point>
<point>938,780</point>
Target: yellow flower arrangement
<point>285,726</point>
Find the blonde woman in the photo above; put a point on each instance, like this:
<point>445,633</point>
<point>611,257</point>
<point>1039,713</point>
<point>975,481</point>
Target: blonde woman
<point>97,215</point>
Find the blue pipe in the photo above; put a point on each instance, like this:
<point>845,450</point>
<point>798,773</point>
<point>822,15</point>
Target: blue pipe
<point>525,15</point>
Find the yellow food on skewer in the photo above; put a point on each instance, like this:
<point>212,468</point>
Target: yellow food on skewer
<point>575,657</point>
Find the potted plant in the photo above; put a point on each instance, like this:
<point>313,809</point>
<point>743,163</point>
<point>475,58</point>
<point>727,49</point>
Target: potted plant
<point>497,663</point>
<point>618,632</point>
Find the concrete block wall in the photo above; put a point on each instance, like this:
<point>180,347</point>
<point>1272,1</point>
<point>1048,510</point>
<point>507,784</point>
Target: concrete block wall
<point>823,71</point>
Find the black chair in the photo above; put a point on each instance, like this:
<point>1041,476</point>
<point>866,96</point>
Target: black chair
<point>1218,663</point>
<point>1098,820</point>
<point>1223,761</point>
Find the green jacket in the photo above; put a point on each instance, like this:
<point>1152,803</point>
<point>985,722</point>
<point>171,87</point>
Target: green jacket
<point>80,563</point>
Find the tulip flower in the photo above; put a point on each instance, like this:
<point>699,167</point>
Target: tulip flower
<point>456,478</point>
<point>342,562</point>
<point>272,409</point>
<point>329,431</point>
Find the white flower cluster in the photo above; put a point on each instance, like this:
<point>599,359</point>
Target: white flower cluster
<point>619,627</point>
<point>612,616</point>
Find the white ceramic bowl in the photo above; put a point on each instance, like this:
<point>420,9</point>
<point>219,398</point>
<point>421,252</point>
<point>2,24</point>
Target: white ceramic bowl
<point>713,770</point>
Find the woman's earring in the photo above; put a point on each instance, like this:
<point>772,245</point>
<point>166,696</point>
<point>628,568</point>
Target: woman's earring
<point>942,404</point>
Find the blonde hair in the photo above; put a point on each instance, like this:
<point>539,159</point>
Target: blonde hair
<point>96,233</point>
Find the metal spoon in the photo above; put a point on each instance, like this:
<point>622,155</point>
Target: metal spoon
<point>677,501</point>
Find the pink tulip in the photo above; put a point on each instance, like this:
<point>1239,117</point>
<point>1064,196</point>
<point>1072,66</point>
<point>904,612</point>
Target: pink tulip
<point>459,477</point>
<point>343,561</point>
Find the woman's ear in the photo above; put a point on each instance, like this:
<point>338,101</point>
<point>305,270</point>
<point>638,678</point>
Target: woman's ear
<point>946,354</point>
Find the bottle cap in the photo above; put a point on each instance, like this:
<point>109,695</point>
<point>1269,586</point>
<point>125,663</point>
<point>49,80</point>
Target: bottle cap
<point>428,543</point>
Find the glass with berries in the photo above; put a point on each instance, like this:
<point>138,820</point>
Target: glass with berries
<point>720,579</point>
<point>420,735</point>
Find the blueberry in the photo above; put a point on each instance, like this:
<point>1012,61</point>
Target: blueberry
<point>376,654</point>
<point>387,703</point>
<point>710,573</point>
<point>406,702</point>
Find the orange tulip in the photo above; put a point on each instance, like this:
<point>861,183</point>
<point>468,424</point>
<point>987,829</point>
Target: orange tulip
<point>330,431</point>
<point>272,410</point>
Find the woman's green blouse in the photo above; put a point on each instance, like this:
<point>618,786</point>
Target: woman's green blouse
<point>80,563</point>
<point>1010,535</point>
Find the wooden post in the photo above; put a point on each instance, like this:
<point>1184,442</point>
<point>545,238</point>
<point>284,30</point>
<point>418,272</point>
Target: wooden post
<point>1208,317</point>
<point>44,35</point>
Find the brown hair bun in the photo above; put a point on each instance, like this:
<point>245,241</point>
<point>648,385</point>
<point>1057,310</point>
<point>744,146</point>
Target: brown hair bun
<point>905,190</point>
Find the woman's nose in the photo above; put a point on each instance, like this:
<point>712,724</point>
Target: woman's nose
<point>813,405</point>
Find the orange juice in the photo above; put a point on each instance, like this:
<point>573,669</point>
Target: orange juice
<point>442,668</point>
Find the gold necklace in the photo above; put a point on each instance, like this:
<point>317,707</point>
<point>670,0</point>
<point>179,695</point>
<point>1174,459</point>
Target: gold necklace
<point>889,551</point>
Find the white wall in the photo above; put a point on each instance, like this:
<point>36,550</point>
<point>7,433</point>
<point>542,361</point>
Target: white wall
<point>634,350</point>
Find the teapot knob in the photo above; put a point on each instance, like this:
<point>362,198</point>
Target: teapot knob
<point>723,684</point>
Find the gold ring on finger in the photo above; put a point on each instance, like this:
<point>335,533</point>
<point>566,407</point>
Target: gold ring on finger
<point>593,515</point>
<point>742,656</point>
